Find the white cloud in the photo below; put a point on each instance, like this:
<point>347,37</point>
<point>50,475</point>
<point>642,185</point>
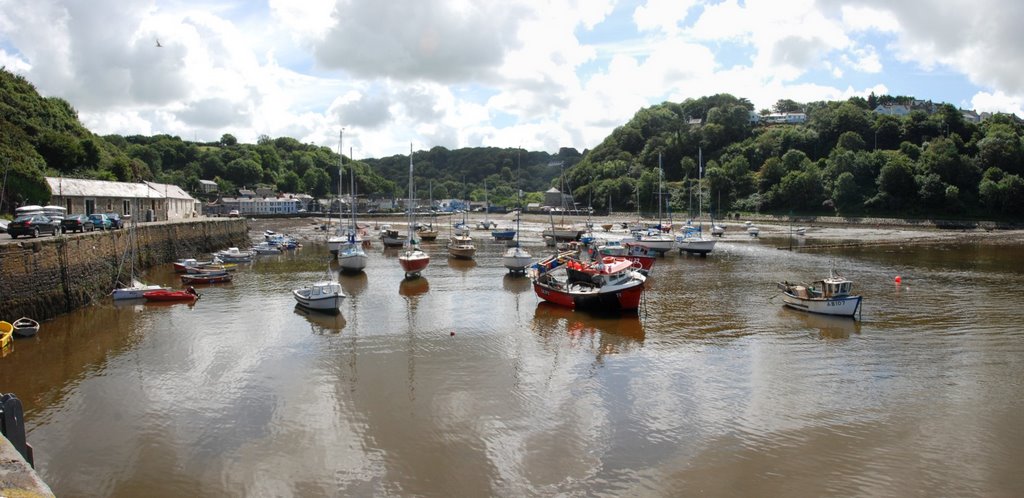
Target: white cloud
<point>461,73</point>
<point>998,102</point>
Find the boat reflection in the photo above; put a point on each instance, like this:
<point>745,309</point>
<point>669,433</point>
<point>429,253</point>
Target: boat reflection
<point>391,252</point>
<point>462,265</point>
<point>828,327</point>
<point>516,284</point>
<point>353,284</point>
<point>604,334</point>
<point>413,286</point>
<point>322,323</point>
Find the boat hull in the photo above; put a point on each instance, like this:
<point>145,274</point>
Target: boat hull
<point>352,263</point>
<point>695,246</point>
<point>326,304</point>
<point>169,295</point>
<point>25,327</point>
<point>503,234</point>
<point>516,259</point>
<point>621,299</point>
<point>413,262</point>
<point>134,292</point>
<point>837,306</point>
<point>205,279</point>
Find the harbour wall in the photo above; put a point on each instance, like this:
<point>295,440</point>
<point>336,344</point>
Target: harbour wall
<point>47,276</point>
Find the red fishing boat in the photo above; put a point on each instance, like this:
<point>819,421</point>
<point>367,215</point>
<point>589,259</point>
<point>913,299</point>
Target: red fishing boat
<point>608,284</point>
<point>642,255</point>
<point>188,294</point>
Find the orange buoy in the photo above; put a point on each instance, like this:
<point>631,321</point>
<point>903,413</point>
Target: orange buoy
<point>898,279</point>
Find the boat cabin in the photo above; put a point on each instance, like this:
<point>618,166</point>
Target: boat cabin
<point>835,287</point>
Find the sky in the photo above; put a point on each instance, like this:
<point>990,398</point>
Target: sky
<point>511,73</point>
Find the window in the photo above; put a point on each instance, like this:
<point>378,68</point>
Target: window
<point>90,206</point>
<point>126,207</point>
<point>67,204</point>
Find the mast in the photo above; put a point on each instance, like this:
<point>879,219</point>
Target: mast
<point>519,199</point>
<point>341,177</point>
<point>660,173</point>
<point>411,240</point>
<point>700,185</point>
<point>352,191</point>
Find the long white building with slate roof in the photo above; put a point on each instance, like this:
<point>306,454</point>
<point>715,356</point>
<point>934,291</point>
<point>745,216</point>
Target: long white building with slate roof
<point>145,201</point>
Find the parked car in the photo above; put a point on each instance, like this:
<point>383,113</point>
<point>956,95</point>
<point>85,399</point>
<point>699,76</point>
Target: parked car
<point>32,224</point>
<point>116,221</point>
<point>77,223</point>
<point>100,220</point>
<point>233,213</point>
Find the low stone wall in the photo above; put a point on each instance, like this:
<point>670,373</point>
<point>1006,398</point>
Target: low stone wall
<point>868,221</point>
<point>44,277</point>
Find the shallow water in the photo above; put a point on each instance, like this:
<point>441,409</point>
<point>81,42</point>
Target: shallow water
<point>712,387</point>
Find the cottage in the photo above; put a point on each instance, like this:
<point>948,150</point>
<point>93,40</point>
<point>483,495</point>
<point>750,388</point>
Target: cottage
<point>147,201</point>
<point>207,186</point>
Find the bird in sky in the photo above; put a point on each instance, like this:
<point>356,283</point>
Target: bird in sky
<point>158,43</point>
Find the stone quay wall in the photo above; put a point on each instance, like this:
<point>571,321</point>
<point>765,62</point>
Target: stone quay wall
<point>47,276</point>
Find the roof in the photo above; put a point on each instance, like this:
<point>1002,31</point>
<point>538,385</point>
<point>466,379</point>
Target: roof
<point>207,182</point>
<point>552,190</point>
<point>79,187</point>
<point>169,191</point>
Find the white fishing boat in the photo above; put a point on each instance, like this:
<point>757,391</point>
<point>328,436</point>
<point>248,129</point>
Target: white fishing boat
<point>828,296</point>
<point>753,231</point>
<point>324,296</point>
<point>265,248</point>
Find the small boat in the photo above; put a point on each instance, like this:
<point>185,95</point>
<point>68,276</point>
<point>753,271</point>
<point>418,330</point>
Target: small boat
<point>426,233</point>
<point>391,238</point>
<point>25,327</point>
<point>325,296</point>
<point>753,231</point>
<point>608,284</point>
<point>607,227</point>
<point>461,246</point>
<point>188,294</point>
<point>504,234</point>
<point>206,279</point>
<point>692,241</point>
<point>638,254</point>
<point>653,239</point>
<point>516,259</point>
<point>801,231</point>
<point>828,296</point>
<point>6,334</point>
<point>183,265</point>
<point>717,230</point>
<point>265,248</point>
<point>413,260</point>
<point>234,255</point>
<point>134,291</point>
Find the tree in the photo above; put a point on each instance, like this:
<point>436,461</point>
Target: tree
<point>288,182</point>
<point>317,182</point>
<point>244,172</point>
<point>228,140</point>
<point>845,193</point>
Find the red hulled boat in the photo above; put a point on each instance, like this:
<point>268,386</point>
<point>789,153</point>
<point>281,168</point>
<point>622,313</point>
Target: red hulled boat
<point>608,284</point>
<point>189,294</point>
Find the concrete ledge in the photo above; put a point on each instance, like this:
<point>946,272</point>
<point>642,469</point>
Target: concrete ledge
<point>17,478</point>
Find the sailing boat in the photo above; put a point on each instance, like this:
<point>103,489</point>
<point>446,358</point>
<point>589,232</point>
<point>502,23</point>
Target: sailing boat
<point>334,243</point>
<point>413,260</point>
<point>654,239</point>
<point>563,232</point>
<point>486,224</point>
<point>692,239</point>
<point>460,244</point>
<point>516,258</point>
<point>427,233</point>
<point>350,254</point>
<point>135,288</point>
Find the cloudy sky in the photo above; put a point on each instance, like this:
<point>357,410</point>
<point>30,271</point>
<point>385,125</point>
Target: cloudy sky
<point>508,73</point>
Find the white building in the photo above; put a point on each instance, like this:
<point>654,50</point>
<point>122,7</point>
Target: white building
<point>178,205</point>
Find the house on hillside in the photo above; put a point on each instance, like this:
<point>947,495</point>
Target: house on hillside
<point>207,186</point>
<point>892,110</point>
<point>555,198</point>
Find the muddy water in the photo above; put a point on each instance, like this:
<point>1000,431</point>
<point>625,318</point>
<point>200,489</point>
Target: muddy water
<point>712,388</point>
